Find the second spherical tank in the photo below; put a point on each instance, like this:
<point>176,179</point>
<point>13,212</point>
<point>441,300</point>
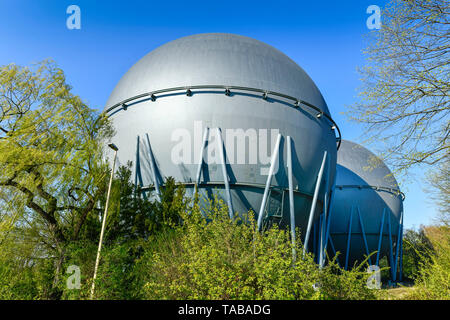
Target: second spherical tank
<point>250,91</point>
<point>367,207</point>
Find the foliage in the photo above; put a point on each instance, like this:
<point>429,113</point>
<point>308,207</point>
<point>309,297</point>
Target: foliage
<point>416,248</point>
<point>217,258</point>
<point>406,81</point>
<point>440,183</point>
<point>51,159</point>
<point>132,222</point>
<point>433,280</point>
<point>338,284</point>
<point>177,250</point>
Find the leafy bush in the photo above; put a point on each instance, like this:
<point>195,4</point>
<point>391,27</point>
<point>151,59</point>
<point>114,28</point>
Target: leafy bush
<point>433,279</point>
<point>219,258</point>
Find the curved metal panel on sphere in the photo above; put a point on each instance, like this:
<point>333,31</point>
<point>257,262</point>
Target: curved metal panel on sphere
<point>174,118</point>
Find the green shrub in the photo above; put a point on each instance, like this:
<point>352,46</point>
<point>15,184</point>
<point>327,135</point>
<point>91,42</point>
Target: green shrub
<point>219,258</point>
<point>433,278</point>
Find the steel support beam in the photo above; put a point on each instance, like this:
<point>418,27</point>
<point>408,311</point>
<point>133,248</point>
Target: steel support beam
<point>319,238</point>
<point>315,235</point>
<point>137,167</point>
<point>291,196</point>
<point>397,247</point>
<point>221,146</point>
<point>400,276</point>
<point>153,169</point>
<point>323,232</point>
<point>334,250</point>
<point>349,238</point>
<point>330,211</point>
<point>314,201</point>
<point>202,153</point>
<point>138,174</point>
<point>380,239</point>
<point>269,179</point>
<point>391,255</point>
<point>364,235</point>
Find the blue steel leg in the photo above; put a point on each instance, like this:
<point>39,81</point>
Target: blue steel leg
<point>319,238</point>
<point>153,169</point>
<point>363,234</point>
<point>397,247</point>
<point>349,237</point>
<point>268,181</point>
<point>221,146</point>
<point>330,210</point>
<point>315,240</point>
<point>291,196</point>
<point>137,165</point>
<point>325,217</point>
<point>334,250</point>
<point>380,237</point>
<point>202,152</point>
<point>313,204</point>
<point>400,276</point>
<point>391,256</point>
<point>322,226</point>
<point>138,175</point>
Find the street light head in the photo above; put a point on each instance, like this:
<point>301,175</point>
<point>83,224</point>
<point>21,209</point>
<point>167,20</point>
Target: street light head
<point>113,146</point>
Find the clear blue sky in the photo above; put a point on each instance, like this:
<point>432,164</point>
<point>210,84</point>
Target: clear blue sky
<point>324,37</point>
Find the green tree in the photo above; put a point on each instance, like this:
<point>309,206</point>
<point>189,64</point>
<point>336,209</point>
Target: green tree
<point>433,277</point>
<point>133,221</point>
<point>51,166</point>
<point>416,249</point>
<point>405,104</point>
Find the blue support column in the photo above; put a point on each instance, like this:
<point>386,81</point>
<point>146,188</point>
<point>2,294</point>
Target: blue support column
<point>323,232</point>
<point>137,165</point>
<point>400,276</point>
<point>268,181</point>
<point>391,255</point>
<point>202,152</point>
<point>330,211</point>
<point>397,247</point>
<point>153,169</point>
<point>380,239</point>
<point>313,204</point>
<point>315,232</point>
<point>221,146</point>
<point>137,173</point>
<point>291,196</point>
<point>319,237</point>
<point>363,234</point>
<point>334,250</point>
<point>349,238</point>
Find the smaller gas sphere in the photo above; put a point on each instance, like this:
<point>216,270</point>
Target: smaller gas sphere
<point>367,207</point>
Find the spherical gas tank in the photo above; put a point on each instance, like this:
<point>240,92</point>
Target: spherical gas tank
<point>367,207</point>
<point>242,88</point>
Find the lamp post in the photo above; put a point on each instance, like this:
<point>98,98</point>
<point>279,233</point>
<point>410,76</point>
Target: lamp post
<point>114,147</point>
